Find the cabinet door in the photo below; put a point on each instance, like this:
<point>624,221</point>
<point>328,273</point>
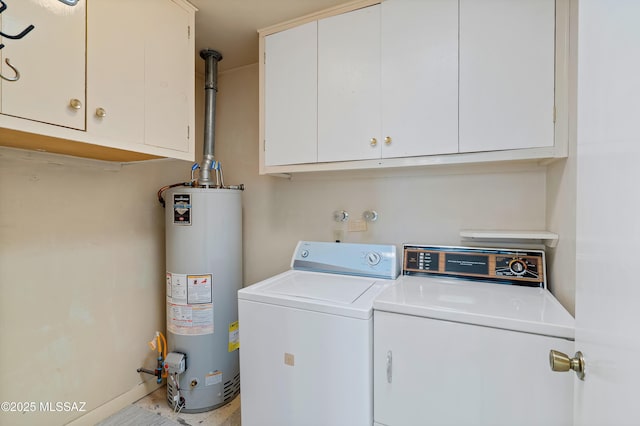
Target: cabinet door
<point>291,96</point>
<point>446,373</point>
<point>506,74</point>
<point>419,77</point>
<point>349,86</point>
<point>140,75</point>
<point>169,76</point>
<point>50,59</point>
<point>115,69</point>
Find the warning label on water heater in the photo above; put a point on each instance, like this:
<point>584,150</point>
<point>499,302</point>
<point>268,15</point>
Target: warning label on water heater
<point>234,336</point>
<point>190,304</point>
<point>182,209</point>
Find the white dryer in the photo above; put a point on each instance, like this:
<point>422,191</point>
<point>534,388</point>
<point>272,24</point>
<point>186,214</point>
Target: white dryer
<point>306,337</point>
<point>454,345</point>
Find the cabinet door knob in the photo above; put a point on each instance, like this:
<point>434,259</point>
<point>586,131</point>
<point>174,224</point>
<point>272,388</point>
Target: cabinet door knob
<point>100,112</point>
<point>387,140</point>
<point>75,104</point>
<point>373,141</point>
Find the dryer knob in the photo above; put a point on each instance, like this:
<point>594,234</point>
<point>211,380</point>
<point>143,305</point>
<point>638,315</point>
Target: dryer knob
<point>518,267</point>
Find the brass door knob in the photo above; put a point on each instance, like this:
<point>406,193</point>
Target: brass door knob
<point>100,112</point>
<point>387,140</point>
<point>373,141</point>
<point>559,361</point>
<point>75,104</point>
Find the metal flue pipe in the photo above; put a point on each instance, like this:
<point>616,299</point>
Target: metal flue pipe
<point>211,58</point>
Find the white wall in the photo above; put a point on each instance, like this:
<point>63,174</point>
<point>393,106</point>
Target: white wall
<point>561,219</point>
<point>81,279</point>
<point>561,188</point>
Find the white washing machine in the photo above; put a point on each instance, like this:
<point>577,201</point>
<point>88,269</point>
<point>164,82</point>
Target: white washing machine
<point>454,345</point>
<point>306,337</point>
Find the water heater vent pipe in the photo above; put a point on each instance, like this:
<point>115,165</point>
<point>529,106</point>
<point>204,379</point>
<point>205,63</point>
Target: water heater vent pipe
<point>211,58</point>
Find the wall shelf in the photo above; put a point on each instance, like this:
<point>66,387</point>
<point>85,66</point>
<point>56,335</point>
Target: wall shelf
<point>549,239</point>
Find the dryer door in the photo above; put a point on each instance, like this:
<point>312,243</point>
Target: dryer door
<point>449,373</point>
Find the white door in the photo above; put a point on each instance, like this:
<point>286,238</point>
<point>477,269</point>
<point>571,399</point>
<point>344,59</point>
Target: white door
<point>419,77</point>
<point>115,70</point>
<point>291,96</point>
<point>506,74</point>
<point>349,86</point>
<point>169,77</point>
<point>434,372</point>
<point>608,212</point>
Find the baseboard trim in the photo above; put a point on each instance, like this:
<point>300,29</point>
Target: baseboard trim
<point>105,410</point>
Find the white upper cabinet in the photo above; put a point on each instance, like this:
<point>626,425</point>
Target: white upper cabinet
<point>377,98</point>
<point>50,60</point>
<point>349,86</point>
<point>418,82</point>
<point>140,76</point>
<point>419,77</point>
<point>138,65</point>
<point>291,96</point>
<point>506,74</point>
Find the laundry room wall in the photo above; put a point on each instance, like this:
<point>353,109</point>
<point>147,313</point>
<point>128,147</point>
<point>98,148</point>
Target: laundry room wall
<point>561,192</point>
<point>423,205</point>
<point>81,281</point>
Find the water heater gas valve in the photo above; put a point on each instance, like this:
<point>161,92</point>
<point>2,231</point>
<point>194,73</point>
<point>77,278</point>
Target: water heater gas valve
<point>175,363</point>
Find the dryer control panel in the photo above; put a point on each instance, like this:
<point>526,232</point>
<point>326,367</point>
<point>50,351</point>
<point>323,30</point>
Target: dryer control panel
<point>506,266</point>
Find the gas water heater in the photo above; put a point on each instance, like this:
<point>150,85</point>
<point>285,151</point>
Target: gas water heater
<point>203,221</point>
<point>204,274</point>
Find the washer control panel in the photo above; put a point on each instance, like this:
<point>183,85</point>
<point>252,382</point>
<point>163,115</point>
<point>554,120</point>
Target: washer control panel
<point>367,260</point>
<point>507,266</point>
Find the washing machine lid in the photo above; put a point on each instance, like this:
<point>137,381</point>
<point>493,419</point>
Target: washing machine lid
<point>328,288</point>
<point>343,295</point>
<point>524,309</point>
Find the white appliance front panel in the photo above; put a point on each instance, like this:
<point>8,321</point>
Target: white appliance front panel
<point>525,309</point>
<point>304,368</point>
<point>432,372</point>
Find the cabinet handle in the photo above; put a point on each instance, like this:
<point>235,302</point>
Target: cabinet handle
<point>387,140</point>
<point>75,104</point>
<point>373,141</point>
<point>389,367</point>
<point>100,112</point>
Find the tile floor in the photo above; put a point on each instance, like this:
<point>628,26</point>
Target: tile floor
<point>156,403</point>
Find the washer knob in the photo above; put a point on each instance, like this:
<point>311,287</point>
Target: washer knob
<point>304,253</point>
<point>373,258</point>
